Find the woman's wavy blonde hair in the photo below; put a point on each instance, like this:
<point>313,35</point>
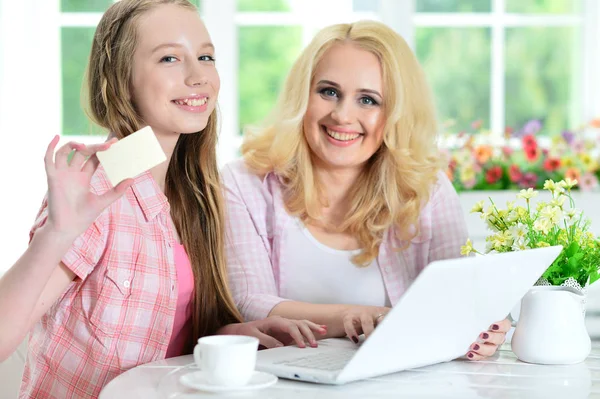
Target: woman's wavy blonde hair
<point>192,183</point>
<point>396,181</point>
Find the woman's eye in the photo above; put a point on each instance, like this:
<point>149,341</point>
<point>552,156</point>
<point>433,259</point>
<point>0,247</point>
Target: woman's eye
<point>329,92</point>
<point>168,59</point>
<point>207,58</point>
<point>367,101</point>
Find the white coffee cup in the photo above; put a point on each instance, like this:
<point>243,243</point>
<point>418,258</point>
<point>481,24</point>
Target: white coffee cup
<point>226,360</point>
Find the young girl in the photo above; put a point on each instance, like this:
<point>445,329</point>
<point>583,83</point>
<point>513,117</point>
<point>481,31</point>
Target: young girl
<point>117,277</point>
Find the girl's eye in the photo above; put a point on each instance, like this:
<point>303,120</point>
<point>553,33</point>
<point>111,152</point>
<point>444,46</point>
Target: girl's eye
<point>168,59</point>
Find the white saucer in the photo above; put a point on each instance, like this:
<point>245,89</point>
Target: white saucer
<point>197,380</point>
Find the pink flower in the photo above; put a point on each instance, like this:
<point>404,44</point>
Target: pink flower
<point>528,180</point>
<point>476,124</point>
<point>588,182</point>
<point>469,184</point>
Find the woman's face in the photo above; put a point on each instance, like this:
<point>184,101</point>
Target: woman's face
<point>175,83</point>
<point>344,121</point>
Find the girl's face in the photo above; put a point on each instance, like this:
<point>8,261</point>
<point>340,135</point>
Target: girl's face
<point>175,83</point>
<point>344,121</point>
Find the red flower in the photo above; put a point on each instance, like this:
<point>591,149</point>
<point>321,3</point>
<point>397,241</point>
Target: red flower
<point>507,151</point>
<point>531,153</point>
<point>493,174</point>
<point>529,141</point>
<point>514,173</point>
<point>551,164</point>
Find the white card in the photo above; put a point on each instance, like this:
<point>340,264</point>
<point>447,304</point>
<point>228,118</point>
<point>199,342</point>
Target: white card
<point>132,155</point>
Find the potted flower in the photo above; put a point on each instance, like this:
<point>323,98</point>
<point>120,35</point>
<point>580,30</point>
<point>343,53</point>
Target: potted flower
<point>551,327</point>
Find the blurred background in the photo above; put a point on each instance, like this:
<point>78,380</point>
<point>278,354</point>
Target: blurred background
<point>493,65</point>
<point>498,63</point>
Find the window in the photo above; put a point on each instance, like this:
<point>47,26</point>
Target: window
<point>502,62</point>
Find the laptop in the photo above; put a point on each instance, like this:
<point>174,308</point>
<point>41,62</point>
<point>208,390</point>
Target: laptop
<point>437,319</point>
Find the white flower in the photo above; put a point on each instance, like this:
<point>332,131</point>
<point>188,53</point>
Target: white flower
<point>528,194</point>
<point>502,239</point>
<point>467,249</point>
<point>518,231</point>
<point>512,217</point>
<point>520,245</point>
<point>553,213</point>
<point>572,216</point>
<point>478,207</point>
<point>553,187</point>
<point>542,225</point>
<point>559,201</point>
<point>568,183</point>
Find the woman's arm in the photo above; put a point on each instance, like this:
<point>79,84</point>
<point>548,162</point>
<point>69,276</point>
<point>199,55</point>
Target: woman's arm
<point>249,263</point>
<point>341,320</point>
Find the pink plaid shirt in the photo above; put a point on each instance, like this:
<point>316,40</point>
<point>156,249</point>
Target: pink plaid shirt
<point>257,224</point>
<point>118,313</point>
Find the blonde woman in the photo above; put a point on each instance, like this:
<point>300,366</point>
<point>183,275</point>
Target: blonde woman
<point>117,277</point>
<point>339,201</point>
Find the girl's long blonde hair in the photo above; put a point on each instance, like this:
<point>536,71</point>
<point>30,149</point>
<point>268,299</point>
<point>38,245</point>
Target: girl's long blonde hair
<point>396,181</point>
<point>192,184</point>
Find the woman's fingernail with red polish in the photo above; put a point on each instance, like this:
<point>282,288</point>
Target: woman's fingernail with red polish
<point>470,356</point>
<point>485,335</point>
<point>475,347</point>
<point>495,327</point>
<point>355,339</point>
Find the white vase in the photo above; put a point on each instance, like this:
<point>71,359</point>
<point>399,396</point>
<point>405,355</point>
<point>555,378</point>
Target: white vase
<point>551,327</point>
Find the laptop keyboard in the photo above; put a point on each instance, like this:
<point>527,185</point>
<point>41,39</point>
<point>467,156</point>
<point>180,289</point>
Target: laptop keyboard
<point>331,361</point>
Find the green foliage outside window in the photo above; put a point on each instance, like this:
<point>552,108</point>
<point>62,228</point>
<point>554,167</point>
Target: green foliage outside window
<point>541,65</point>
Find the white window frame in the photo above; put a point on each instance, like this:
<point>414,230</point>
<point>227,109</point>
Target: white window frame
<point>30,79</point>
<point>223,22</point>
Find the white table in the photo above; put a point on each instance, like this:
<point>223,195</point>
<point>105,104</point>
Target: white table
<point>502,376</point>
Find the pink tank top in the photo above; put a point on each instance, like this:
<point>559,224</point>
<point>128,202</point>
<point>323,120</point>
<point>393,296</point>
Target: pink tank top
<point>182,326</point>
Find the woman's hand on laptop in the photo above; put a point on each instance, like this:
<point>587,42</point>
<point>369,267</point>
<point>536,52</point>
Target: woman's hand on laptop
<point>362,320</point>
<point>276,331</point>
<point>488,342</point>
